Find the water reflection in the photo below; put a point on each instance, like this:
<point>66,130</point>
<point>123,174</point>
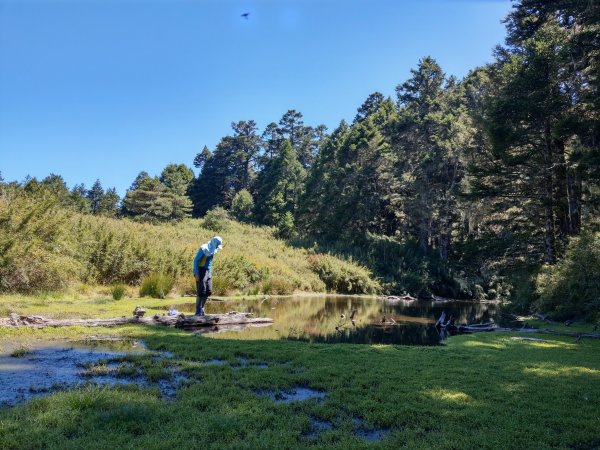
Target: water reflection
<point>348,319</point>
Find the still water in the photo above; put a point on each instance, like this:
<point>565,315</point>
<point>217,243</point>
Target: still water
<point>355,320</point>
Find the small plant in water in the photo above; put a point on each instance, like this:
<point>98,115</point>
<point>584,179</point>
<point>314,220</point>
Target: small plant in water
<point>20,352</point>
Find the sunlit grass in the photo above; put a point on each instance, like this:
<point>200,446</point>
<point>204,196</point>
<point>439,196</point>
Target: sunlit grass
<point>448,395</point>
<point>554,370</point>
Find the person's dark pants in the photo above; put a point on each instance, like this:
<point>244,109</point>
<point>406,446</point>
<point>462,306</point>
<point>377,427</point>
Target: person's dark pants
<point>203,290</point>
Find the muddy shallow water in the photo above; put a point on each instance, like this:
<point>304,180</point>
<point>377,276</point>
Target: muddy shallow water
<point>339,319</point>
<point>46,367</point>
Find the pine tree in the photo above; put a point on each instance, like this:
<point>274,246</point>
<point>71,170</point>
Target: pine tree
<point>94,195</point>
<point>230,169</point>
<point>428,161</point>
<point>109,203</point>
<point>279,187</point>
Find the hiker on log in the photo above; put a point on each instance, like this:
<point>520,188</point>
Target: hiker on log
<point>203,271</point>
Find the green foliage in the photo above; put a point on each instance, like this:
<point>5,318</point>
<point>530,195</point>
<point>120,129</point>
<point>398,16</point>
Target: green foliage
<point>279,187</point>
<point>343,277</point>
<point>118,291</point>
<point>277,285</point>
<point>157,285</point>
<point>239,272</point>
<point>32,234</point>
<point>160,199</point>
<point>46,249</point>
<point>120,251</point>
<point>242,206</point>
<point>285,225</point>
<point>20,352</point>
<point>177,178</point>
<point>228,170</point>
<point>571,288</point>
<point>217,220</point>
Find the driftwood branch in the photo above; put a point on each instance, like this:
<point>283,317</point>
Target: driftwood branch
<point>231,318</point>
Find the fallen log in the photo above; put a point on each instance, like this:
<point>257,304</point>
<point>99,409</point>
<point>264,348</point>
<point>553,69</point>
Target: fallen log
<point>448,328</point>
<point>547,331</point>
<point>231,318</point>
<point>396,298</point>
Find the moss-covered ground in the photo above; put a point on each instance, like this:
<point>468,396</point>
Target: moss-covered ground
<point>478,391</point>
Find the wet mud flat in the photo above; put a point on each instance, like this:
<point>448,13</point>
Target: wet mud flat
<point>43,368</point>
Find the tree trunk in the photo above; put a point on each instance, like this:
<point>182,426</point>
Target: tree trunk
<point>549,236</point>
<point>561,192</point>
<point>574,198</point>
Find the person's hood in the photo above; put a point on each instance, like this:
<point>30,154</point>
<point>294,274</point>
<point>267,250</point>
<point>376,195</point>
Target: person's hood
<point>212,246</point>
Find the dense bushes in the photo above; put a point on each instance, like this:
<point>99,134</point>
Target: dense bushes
<point>343,277</point>
<point>237,273</point>
<point>122,251</point>
<point>33,255</point>
<point>571,288</point>
<point>45,248</point>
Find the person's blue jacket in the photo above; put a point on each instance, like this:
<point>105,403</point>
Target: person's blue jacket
<point>202,261</point>
<point>204,257</point>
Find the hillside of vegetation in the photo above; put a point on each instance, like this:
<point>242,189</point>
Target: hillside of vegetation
<point>46,247</point>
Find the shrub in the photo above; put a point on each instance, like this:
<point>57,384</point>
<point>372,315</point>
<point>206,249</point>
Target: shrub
<point>32,250</point>
<point>223,285</point>
<point>217,219</point>
<point>157,285</point>
<point>277,285</point>
<point>571,288</point>
<point>118,291</point>
<point>186,285</point>
<point>237,273</point>
<point>242,206</point>
<point>285,226</point>
<point>342,276</point>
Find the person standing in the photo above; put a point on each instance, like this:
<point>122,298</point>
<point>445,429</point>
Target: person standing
<point>203,271</point>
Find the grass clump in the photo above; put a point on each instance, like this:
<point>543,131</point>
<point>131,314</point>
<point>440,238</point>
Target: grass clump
<point>20,352</point>
<point>157,285</point>
<point>118,291</point>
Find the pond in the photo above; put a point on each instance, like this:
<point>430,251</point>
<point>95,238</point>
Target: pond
<point>344,319</point>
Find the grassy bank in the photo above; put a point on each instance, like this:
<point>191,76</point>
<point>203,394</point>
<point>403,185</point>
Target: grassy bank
<point>478,391</point>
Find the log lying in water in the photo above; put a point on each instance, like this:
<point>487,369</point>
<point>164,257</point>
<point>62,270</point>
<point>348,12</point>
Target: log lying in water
<point>448,328</point>
<point>395,298</point>
<point>231,318</point>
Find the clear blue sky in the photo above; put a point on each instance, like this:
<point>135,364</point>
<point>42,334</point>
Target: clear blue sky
<point>105,89</point>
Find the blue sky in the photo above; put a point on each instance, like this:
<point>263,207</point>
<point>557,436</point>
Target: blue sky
<point>105,89</point>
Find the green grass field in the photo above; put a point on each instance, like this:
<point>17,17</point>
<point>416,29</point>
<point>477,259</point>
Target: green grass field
<point>478,391</point>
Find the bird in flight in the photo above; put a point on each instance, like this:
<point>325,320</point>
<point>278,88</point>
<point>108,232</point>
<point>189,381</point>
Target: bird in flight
<point>245,15</point>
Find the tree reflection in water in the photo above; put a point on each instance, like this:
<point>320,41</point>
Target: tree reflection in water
<point>359,320</point>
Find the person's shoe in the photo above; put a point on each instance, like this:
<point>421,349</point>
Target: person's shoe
<point>201,311</point>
